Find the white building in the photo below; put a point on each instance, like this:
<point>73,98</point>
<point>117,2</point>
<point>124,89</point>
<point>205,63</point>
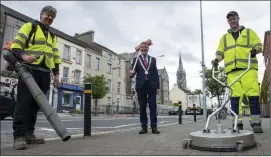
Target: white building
<point>100,60</point>
<point>176,95</point>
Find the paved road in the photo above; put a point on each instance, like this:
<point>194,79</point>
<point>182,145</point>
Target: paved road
<point>75,125</point>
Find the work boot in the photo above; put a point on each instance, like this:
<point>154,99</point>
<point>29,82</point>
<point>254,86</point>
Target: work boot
<point>257,128</point>
<point>239,126</point>
<point>32,139</point>
<point>144,130</point>
<point>19,143</point>
<point>155,130</point>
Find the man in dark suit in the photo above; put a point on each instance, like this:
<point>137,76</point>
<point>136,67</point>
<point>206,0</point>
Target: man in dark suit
<point>147,86</point>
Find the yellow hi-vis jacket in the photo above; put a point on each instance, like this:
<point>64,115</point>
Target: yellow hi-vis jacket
<point>42,47</point>
<point>236,53</point>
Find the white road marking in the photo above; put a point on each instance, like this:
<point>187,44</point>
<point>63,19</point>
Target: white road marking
<point>71,119</point>
<point>113,131</point>
<point>113,127</point>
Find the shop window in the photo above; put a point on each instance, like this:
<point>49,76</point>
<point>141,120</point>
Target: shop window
<point>67,99</point>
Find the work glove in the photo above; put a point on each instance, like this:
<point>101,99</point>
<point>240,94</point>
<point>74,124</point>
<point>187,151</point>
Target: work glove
<point>253,53</point>
<point>215,63</point>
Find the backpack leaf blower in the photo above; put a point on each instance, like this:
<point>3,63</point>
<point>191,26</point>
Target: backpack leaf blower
<point>37,94</point>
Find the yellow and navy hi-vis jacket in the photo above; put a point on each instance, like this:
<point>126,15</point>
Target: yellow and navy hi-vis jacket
<point>44,48</point>
<point>236,53</point>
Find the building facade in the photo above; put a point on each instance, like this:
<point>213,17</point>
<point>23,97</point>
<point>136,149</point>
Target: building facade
<point>129,82</point>
<point>163,96</point>
<point>265,107</point>
<point>178,95</point>
<point>102,61</point>
<point>70,93</point>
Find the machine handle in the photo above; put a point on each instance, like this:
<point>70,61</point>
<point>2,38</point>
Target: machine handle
<point>215,70</point>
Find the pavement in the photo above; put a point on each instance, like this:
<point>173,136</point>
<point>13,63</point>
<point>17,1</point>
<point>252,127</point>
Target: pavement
<point>129,142</point>
<point>75,125</point>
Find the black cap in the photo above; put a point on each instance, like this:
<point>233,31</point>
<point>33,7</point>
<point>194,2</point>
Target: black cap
<point>232,13</point>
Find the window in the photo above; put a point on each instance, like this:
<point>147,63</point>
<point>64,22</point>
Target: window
<point>108,100</point>
<point>67,99</point>
<point>12,26</point>
<point>109,57</point>
<point>118,88</point>
<point>78,57</point>
<point>118,61</point>
<point>65,74</point>
<point>109,67</point>
<point>67,53</point>
<point>98,64</point>
<point>88,64</point>
<point>77,75</point>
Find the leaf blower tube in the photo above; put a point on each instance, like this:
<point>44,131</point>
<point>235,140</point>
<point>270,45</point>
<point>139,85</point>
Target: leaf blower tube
<point>38,95</point>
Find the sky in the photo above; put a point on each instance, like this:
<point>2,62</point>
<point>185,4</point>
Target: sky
<point>174,27</point>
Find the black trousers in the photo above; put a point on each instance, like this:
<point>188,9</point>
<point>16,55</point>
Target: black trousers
<point>26,108</point>
<point>147,95</point>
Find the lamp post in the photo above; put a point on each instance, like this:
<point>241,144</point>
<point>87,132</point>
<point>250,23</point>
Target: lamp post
<point>203,66</point>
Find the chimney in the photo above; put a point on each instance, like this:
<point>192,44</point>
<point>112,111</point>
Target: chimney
<point>87,37</point>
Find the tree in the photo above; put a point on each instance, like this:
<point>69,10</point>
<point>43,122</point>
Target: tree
<point>215,88</point>
<point>99,87</point>
<point>198,91</point>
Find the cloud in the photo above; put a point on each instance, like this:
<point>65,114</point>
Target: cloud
<point>174,26</point>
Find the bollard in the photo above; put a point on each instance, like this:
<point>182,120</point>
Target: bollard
<point>180,115</point>
<point>87,110</point>
<point>195,114</point>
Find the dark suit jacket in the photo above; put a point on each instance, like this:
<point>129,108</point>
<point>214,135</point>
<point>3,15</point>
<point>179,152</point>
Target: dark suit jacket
<point>153,76</point>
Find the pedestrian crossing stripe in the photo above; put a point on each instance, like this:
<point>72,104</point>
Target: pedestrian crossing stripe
<point>87,91</point>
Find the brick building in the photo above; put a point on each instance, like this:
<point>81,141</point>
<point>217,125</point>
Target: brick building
<point>265,107</point>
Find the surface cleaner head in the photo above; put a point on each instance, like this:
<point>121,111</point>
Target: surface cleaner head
<point>221,140</point>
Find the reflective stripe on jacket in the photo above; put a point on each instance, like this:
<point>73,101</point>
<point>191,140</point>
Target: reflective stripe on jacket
<point>44,48</point>
<point>235,53</point>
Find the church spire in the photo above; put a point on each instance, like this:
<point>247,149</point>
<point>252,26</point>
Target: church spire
<point>181,76</point>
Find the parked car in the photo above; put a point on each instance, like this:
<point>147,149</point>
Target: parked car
<point>173,110</point>
<point>7,99</point>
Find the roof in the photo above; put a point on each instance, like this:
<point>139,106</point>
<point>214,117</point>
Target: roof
<point>127,56</point>
<point>105,48</point>
<point>58,33</point>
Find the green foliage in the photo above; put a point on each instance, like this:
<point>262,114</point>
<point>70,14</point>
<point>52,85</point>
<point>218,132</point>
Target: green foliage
<point>264,90</point>
<point>215,88</point>
<point>99,85</point>
<point>198,91</point>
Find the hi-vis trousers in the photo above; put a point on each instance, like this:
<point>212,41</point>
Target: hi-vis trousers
<point>249,86</point>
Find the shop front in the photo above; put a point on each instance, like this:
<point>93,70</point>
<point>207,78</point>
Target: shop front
<point>70,98</point>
